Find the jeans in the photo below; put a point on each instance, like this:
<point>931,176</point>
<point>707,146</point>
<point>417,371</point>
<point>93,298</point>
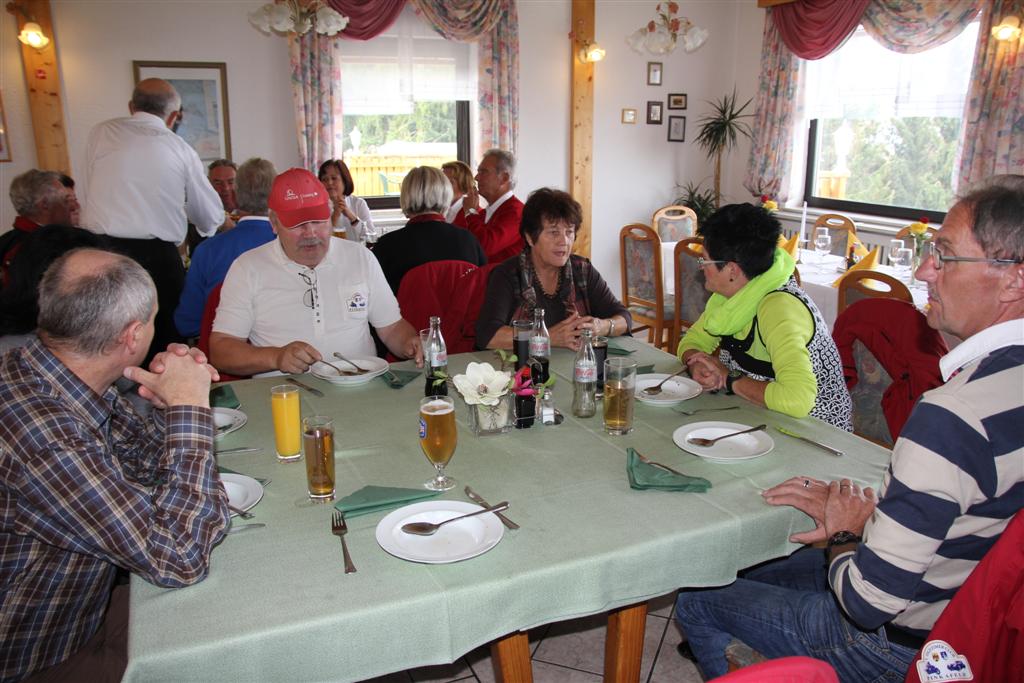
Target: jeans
<point>786,608</point>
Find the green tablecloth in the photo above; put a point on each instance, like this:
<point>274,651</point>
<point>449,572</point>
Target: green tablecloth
<point>278,606</point>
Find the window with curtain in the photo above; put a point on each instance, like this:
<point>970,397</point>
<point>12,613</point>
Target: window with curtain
<point>407,96</point>
<point>884,126</point>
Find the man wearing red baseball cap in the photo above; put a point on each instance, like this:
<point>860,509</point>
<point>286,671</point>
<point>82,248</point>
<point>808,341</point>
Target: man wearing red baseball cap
<point>305,295</point>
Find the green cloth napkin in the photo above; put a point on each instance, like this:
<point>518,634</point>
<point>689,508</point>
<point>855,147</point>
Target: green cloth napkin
<point>616,350</point>
<point>644,476</point>
<point>223,396</point>
<point>396,379</point>
<point>645,369</point>
<point>376,498</point>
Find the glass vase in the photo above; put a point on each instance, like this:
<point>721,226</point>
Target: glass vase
<point>489,420</point>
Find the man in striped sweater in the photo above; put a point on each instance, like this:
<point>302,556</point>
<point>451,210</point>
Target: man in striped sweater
<point>955,479</point>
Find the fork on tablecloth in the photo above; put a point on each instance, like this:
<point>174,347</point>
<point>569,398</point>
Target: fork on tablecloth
<point>339,528</point>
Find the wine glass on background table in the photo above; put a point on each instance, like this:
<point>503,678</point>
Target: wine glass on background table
<point>903,262</point>
<point>438,438</point>
<point>822,244</point>
<point>894,246</point>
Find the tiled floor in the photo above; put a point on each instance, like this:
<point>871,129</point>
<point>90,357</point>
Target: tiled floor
<point>573,652</point>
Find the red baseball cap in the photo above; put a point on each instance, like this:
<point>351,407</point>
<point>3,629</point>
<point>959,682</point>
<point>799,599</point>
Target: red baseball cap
<point>298,197</point>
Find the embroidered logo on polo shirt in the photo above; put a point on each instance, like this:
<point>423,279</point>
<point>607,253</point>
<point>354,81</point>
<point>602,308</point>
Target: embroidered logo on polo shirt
<point>940,662</point>
<point>357,302</point>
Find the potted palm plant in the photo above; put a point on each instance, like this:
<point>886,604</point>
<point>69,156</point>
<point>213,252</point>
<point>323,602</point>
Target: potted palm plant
<point>720,130</point>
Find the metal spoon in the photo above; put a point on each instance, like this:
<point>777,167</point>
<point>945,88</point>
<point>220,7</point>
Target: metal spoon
<point>341,371</point>
<point>691,413</point>
<point>697,441</point>
<point>361,370</point>
<point>656,389</point>
<point>430,528</point>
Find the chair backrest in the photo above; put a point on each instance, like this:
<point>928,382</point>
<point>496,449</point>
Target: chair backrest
<point>842,229</point>
<point>450,289</point>
<point>206,326</point>
<point>691,296</point>
<point>674,223</point>
<point>640,254</point>
<point>784,670</point>
<point>872,383</point>
<point>864,284</point>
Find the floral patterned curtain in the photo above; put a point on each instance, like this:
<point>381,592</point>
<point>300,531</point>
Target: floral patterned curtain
<point>993,135</point>
<point>495,23</point>
<point>316,94</point>
<point>775,107</point>
<point>911,26</point>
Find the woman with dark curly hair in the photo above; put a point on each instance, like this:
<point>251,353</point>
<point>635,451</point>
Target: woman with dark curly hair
<point>773,347</point>
<point>546,274</point>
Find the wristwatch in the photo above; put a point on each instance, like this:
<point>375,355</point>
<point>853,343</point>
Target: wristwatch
<point>842,538</point>
<point>732,377</point>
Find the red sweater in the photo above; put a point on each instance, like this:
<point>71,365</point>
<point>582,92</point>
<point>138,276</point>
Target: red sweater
<point>499,236</point>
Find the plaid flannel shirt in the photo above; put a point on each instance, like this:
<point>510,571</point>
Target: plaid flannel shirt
<point>86,486</point>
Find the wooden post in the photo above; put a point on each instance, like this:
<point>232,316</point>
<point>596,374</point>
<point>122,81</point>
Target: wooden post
<point>582,121</point>
<point>42,81</point>
<point>510,656</point>
<point>624,643</point>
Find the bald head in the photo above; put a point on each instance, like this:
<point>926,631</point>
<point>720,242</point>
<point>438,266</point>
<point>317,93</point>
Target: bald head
<point>155,96</point>
<point>88,296</point>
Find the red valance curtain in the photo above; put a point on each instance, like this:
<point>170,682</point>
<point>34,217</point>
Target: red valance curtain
<point>367,18</point>
<point>813,28</point>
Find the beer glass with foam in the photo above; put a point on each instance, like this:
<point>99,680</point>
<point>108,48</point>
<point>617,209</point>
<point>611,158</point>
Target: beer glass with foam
<point>438,438</point>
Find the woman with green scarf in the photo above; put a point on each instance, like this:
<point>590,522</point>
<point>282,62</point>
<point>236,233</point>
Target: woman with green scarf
<point>760,336</point>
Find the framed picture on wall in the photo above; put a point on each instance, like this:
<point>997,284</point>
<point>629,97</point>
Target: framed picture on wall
<point>677,129</point>
<point>629,115</point>
<point>653,73</point>
<point>203,87</point>
<point>5,147</point>
<point>677,101</point>
<point>654,112</point>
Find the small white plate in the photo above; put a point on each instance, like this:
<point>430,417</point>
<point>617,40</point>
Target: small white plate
<point>375,366</point>
<point>672,392</point>
<point>243,492</point>
<point>227,420</point>
<point>743,447</point>
<point>452,542</point>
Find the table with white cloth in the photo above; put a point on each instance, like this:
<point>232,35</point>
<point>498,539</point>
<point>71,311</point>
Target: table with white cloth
<point>668,267</point>
<point>277,604</point>
<point>817,273</point>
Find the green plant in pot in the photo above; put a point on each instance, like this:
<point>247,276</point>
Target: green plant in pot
<point>701,200</point>
<point>719,132</point>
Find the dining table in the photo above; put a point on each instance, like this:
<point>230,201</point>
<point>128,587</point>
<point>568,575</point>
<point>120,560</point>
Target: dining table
<point>278,605</point>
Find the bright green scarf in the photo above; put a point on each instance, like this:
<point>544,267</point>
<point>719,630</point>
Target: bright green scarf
<point>725,317</point>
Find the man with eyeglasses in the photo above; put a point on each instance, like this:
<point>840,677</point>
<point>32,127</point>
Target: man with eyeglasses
<point>893,562</point>
<point>298,299</point>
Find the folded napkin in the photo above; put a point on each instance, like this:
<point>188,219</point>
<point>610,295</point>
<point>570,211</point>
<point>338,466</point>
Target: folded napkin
<point>869,262</point>
<point>615,350</point>
<point>644,476</point>
<point>223,396</point>
<point>790,246</point>
<point>371,499</point>
<point>396,379</point>
<point>645,369</point>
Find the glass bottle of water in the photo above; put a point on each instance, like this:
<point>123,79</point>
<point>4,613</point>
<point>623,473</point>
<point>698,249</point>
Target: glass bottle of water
<point>584,398</point>
<point>435,356</point>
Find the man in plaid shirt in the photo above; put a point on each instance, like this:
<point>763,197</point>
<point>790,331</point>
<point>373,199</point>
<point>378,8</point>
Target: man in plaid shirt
<point>86,485</point>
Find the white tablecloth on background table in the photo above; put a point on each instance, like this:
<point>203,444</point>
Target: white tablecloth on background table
<point>668,268</point>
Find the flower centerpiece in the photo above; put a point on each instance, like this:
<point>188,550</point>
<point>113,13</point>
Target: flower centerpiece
<point>919,233</point>
<point>486,392</point>
<point>769,204</point>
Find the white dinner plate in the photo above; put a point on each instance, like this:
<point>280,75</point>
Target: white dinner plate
<point>227,420</point>
<point>452,543</point>
<point>375,366</point>
<point>243,492</point>
<point>743,447</point>
<point>672,392</point>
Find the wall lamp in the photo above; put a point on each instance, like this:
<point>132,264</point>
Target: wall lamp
<point>1007,29</point>
<point>588,50</point>
<point>31,33</point>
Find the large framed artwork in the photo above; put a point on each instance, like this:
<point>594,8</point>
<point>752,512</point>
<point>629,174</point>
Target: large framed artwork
<point>203,87</point>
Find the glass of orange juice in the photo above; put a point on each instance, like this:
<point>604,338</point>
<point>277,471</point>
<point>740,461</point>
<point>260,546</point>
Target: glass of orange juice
<point>284,405</point>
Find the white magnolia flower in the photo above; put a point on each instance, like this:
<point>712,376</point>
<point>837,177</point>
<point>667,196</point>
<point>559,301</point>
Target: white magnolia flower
<point>482,384</point>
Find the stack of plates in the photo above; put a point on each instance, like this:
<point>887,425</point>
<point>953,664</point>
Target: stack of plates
<point>672,392</point>
<point>733,449</point>
<point>375,367</point>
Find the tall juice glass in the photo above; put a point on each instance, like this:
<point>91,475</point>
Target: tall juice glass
<point>619,386</point>
<point>284,405</point>
<point>438,437</point>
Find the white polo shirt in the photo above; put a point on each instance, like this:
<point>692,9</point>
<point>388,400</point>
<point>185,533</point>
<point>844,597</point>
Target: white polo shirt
<point>267,298</point>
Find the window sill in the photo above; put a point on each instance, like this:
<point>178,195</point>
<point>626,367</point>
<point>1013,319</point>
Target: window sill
<point>864,222</point>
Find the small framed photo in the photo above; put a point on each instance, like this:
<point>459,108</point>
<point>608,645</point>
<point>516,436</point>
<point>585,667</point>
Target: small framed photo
<point>654,112</point>
<point>677,101</point>
<point>653,73</point>
<point>629,115</point>
<point>677,129</point>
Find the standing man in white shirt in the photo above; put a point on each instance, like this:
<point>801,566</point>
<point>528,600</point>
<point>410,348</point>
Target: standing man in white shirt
<point>144,185</point>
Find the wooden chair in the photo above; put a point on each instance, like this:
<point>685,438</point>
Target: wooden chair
<point>840,227</point>
<point>863,284</point>
<point>643,292</point>
<point>690,294</point>
<point>674,223</point>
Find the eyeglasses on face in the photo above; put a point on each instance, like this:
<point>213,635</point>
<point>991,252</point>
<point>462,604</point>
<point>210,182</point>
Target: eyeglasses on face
<point>701,262</point>
<point>938,258</point>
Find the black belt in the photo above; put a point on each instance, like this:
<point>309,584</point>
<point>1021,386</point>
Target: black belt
<point>897,635</point>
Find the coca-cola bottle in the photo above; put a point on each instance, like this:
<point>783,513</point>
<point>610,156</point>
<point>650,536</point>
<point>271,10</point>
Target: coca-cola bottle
<point>584,397</point>
<point>540,346</point>
<point>435,356</point>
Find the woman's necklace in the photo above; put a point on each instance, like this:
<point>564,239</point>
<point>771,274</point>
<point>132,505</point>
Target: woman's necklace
<point>544,290</point>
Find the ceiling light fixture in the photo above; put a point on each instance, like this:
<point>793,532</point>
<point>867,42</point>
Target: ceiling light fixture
<point>299,17</point>
<point>661,35</point>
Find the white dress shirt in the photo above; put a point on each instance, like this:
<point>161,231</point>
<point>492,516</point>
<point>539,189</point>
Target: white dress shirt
<point>143,181</point>
<point>453,211</point>
<point>494,207</point>
<point>358,206</point>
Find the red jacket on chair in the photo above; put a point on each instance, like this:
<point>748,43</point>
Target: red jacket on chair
<point>499,236</point>
<point>453,290</point>
<point>897,334</point>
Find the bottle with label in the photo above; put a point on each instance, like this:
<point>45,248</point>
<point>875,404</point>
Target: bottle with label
<point>435,357</point>
<point>540,346</point>
<point>584,398</point>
